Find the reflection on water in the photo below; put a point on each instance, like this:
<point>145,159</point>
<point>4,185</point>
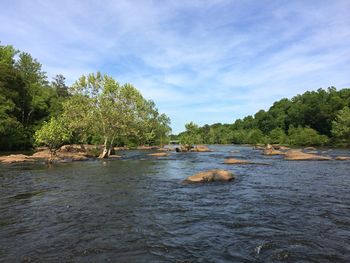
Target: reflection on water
<point>138,210</point>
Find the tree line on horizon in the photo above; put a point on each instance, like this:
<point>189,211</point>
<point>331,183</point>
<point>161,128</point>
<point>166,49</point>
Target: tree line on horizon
<point>315,118</point>
<point>96,109</point>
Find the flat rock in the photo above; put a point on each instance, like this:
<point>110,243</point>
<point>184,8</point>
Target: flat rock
<point>143,147</point>
<point>238,161</point>
<point>342,158</point>
<point>158,154</point>
<point>45,154</point>
<point>200,148</point>
<point>114,156</point>
<point>235,161</point>
<point>15,158</point>
<point>211,176</point>
<point>295,155</point>
<point>271,151</point>
<point>310,149</point>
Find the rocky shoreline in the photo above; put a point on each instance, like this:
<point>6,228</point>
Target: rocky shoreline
<point>84,152</point>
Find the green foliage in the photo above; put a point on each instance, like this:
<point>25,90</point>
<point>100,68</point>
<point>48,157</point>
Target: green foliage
<point>305,136</point>
<point>341,125</point>
<point>26,99</point>
<point>53,134</point>
<point>191,136</point>
<point>278,135</point>
<point>316,114</point>
<point>117,114</point>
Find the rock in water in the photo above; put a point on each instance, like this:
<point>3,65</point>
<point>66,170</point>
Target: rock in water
<point>201,148</point>
<point>235,161</point>
<point>272,151</point>
<point>295,155</point>
<point>211,176</point>
<point>343,158</point>
<point>158,154</point>
<point>15,158</point>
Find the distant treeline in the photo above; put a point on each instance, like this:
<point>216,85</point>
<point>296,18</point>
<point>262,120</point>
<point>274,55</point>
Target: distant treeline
<point>96,109</point>
<point>319,117</point>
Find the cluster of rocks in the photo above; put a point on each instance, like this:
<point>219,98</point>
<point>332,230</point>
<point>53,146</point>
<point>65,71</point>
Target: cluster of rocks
<point>306,154</point>
<point>191,148</point>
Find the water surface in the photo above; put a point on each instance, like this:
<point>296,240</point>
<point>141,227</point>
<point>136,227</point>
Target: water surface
<point>138,210</point>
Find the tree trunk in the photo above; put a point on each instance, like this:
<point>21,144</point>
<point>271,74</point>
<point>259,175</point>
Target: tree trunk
<point>111,148</point>
<point>104,154</point>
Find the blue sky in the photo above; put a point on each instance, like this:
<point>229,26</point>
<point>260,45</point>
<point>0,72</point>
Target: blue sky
<point>202,61</point>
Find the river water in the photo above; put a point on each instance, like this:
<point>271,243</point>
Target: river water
<point>137,209</point>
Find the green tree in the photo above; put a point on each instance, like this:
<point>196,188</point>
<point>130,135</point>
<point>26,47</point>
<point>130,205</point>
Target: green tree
<point>305,136</point>
<point>53,134</point>
<point>191,136</point>
<point>277,136</point>
<point>101,108</point>
<point>341,125</point>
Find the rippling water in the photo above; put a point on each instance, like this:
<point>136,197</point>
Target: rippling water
<point>138,210</point>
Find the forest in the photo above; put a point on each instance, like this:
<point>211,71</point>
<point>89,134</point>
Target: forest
<point>316,118</point>
<point>96,109</point>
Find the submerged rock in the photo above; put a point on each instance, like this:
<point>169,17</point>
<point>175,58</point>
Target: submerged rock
<point>211,176</point>
<point>297,155</point>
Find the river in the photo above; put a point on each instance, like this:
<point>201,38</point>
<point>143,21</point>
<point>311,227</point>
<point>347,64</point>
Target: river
<point>137,209</point>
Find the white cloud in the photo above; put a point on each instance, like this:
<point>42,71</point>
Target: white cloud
<point>198,60</point>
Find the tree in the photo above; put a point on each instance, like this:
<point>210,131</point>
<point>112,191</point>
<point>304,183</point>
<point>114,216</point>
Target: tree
<point>191,136</point>
<point>99,106</point>
<point>277,136</point>
<point>341,125</point>
<point>53,134</point>
<point>59,85</point>
<point>305,136</point>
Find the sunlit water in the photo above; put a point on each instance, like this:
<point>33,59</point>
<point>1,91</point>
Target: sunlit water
<point>138,210</point>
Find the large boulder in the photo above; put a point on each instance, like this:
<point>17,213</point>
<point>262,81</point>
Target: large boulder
<point>297,155</point>
<point>211,176</point>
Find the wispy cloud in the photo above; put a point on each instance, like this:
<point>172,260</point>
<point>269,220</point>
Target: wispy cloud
<point>206,61</point>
